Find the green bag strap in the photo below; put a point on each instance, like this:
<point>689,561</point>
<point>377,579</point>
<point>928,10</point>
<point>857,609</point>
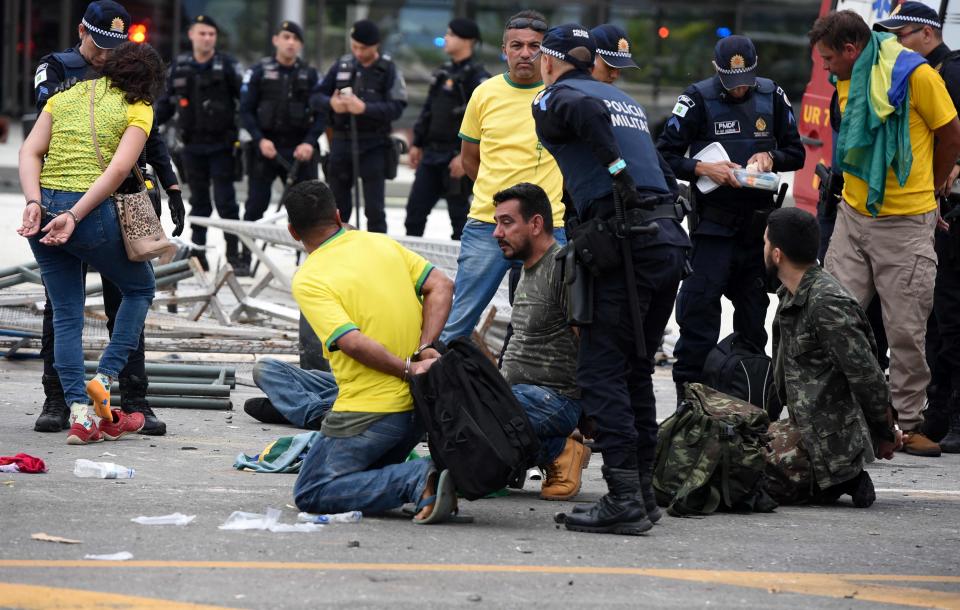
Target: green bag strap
<point>725,475</point>
<point>679,507</point>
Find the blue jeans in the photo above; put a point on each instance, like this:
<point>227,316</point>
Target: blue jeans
<point>300,396</point>
<point>480,270</point>
<point>97,242</point>
<point>365,472</point>
<point>552,415</point>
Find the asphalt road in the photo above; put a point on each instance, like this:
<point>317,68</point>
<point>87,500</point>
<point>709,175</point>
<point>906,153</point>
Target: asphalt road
<point>902,551</point>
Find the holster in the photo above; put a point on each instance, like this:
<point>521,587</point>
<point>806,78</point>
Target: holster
<point>395,148</point>
<point>577,286</point>
<point>238,162</point>
<point>325,166</point>
<point>597,245</point>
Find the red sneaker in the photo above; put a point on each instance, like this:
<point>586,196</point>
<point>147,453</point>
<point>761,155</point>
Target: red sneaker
<point>82,435</point>
<point>121,424</point>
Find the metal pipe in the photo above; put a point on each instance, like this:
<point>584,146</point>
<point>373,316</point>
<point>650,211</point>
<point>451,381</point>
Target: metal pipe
<point>200,381</point>
<point>179,402</point>
<point>173,278</point>
<point>5,271</point>
<point>182,370</point>
<point>180,389</point>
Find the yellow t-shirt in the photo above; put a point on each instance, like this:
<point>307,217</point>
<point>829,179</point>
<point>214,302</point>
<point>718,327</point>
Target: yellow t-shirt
<point>367,282</point>
<point>71,163</point>
<point>930,109</point>
<point>498,117</point>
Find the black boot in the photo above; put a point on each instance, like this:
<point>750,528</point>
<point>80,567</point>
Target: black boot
<point>860,489</point>
<point>646,494</point>
<point>55,416</point>
<point>951,442</point>
<point>241,264</point>
<point>233,253</point>
<point>133,399</point>
<point>618,512</point>
<point>262,410</point>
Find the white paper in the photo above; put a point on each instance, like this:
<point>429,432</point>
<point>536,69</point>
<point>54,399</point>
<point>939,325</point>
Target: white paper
<point>240,520</point>
<point>121,556</point>
<point>174,519</point>
<point>710,153</point>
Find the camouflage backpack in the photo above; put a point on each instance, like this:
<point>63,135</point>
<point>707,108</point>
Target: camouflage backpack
<point>711,455</point>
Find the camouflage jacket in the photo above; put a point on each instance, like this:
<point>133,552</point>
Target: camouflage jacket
<point>826,373</point>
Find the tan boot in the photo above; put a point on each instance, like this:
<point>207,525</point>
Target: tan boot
<point>564,474</point>
<point>917,443</point>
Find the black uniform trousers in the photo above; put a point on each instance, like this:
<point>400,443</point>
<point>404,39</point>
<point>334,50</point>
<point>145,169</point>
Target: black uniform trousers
<point>722,266</point>
<point>204,163</point>
<point>373,160</point>
<point>943,326</point>
<point>264,171</point>
<point>617,385</point>
<point>431,182</point>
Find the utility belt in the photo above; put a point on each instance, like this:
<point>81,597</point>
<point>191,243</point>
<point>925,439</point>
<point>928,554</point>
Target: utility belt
<point>344,134</point>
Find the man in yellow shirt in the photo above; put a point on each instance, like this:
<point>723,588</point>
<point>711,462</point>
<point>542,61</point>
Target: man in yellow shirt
<point>499,149</point>
<point>891,253</point>
<point>377,307</point>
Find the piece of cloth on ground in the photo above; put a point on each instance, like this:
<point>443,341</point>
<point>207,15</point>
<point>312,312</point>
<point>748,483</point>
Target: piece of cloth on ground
<point>284,455</point>
<point>22,463</point>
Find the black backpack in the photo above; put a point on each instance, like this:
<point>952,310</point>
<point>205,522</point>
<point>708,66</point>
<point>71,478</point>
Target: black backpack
<point>739,368</point>
<point>475,427</point>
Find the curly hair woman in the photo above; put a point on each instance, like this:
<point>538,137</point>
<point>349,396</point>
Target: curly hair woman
<point>70,220</point>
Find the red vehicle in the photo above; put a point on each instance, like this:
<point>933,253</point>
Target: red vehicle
<point>814,117</point>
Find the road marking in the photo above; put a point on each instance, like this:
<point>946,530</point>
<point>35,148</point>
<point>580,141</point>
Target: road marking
<point>840,586</point>
<point>29,597</point>
<point>921,492</point>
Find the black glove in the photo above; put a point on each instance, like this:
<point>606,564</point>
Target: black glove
<point>626,189</point>
<point>177,213</point>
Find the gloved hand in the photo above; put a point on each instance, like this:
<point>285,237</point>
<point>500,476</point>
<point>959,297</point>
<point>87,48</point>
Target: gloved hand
<point>177,213</point>
<point>626,189</point>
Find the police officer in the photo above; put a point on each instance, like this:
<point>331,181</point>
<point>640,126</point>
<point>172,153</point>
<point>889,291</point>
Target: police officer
<point>275,109</point>
<point>435,153</point>
<point>752,118</point>
<point>919,28</point>
<point>103,27</point>
<point>203,89</point>
<point>362,92</point>
<point>600,138</point>
<point>613,53</point>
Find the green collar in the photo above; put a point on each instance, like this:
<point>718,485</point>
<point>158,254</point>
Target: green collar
<point>506,77</point>
<point>332,237</point>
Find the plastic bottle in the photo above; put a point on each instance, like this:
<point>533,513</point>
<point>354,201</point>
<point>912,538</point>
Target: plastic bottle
<point>353,516</point>
<point>87,469</point>
<point>767,181</point>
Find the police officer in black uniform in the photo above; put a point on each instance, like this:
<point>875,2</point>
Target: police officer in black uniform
<point>203,90</point>
<point>435,153</point>
<point>103,27</point>
<point>752,118</point>
<point>363,91</point>
<point>919,28</point>
<point>613,53</point>
<point>275,109</point>
<point>601,140</point>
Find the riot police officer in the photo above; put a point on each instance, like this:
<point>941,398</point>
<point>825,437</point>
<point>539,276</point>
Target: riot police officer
<point>629,221</point>
<point>203,89</point>
<point>752,119</point>
<point>363,92</point>
<point>275,109</point>
<point>103,27</point>
<point>435,152</point>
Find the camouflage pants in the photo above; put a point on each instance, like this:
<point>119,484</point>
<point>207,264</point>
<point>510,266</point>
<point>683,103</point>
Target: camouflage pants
<point>788,472</point>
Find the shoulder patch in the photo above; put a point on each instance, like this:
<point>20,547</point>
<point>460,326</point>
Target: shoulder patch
<point>681,109</point>
<point>40,76</point>
<point>783,94</point>
<point>686,100</point>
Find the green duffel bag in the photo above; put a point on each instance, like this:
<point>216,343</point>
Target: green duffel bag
<point>711,455</point>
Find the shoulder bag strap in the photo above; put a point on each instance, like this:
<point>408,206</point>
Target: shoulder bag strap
<point>93,135</point>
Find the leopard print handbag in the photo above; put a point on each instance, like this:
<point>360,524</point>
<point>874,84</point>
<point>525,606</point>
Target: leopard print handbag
<point>143,236</point>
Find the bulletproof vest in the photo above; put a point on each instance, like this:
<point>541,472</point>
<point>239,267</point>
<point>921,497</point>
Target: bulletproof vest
<point>74,65</point>
<point>284,99</point>
<point>205,101</point>
<point>449,102</point>
<point>368,84</point>
<point>744,128</point>
<point>584,176</point>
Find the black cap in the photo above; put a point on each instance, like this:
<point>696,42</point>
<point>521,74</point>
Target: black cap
<point>465,28</point>
<point>613,46</point>
<point>293,27</point>
<point>205,20</point>
<point>562,40</point>
<point>910,13</point>
<point>735,59</point>
<point>107,23</point>
<point>365,32</point>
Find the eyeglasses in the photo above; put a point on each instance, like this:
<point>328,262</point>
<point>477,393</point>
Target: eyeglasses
<point>525,23</point>
<point>902,35</point>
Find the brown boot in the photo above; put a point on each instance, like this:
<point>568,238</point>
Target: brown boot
<point>564,474</point>
<point>917,443</point>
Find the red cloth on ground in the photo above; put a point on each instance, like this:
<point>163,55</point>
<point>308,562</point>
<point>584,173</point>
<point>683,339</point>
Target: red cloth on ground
<point>26,463</point>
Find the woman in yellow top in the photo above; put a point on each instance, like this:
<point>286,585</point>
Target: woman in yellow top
<point>71,220</point>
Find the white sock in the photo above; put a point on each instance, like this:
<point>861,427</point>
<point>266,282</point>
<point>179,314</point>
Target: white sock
<point>104,379</point>
<point>81,413</point>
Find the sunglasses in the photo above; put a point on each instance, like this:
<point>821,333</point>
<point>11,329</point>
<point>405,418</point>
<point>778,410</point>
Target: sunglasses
<point>525,23</point>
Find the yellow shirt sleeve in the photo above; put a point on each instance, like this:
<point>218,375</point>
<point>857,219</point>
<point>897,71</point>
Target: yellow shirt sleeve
<point>930,97</point>
<point>470,126</point>
<point>139,115</point>
<point>417,267</point>
<point>48,107</point>
<point>324,311</point>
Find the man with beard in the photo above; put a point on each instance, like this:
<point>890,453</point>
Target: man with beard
<point>825,372</point>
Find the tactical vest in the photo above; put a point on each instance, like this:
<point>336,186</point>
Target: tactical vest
<point>370,85</point>
<point>585,178</point>
<point>448,103</point>
<point>284,108</point>
<point>205,108</point>
<point>74,65</point>
<point>744,128</point>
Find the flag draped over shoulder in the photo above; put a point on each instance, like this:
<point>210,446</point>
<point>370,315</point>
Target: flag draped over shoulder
<point>875,130</point>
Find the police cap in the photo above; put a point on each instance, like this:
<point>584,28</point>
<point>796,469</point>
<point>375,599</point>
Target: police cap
<point>571,43</point>
<point>735,59</point>
<point>107,23</point>
<point>365,32</point>
<point>293,27</point>
<point>205,20</point>
<point>910,13</point>
<point>465,28</point>
<point>613,46</point>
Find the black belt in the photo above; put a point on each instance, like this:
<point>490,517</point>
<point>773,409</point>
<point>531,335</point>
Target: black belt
<point>663,211</point>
